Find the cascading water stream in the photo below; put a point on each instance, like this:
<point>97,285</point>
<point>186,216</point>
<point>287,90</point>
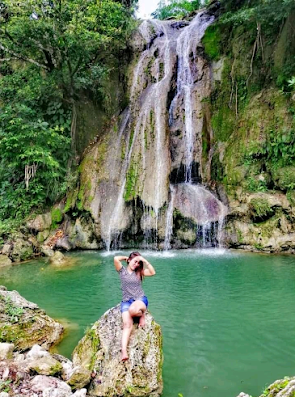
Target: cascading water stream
<point>187,44</point>
<point>145,128</point>
<point>150,103</point>
<point>160,119</point>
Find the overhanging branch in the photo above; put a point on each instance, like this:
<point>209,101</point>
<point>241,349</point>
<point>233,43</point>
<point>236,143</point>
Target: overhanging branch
<point>23,58</point>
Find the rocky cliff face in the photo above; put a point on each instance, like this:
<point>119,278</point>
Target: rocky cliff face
<point>252,109</point>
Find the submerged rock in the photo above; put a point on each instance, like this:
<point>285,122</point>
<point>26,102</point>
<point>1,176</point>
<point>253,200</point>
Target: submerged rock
<point>100,352</point>
<point>24,323</point>
<point>57,258</point>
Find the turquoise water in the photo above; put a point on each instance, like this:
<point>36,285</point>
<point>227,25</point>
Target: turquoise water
<point>228,318</point>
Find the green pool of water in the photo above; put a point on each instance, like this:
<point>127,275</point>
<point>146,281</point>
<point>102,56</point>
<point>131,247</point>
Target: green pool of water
<point>228,319</point>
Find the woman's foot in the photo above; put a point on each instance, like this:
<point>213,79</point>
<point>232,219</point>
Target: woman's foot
<point>124,356</point>
<point>142,320</point>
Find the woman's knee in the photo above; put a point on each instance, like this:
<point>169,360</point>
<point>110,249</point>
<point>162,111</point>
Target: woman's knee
<point>137,309</point>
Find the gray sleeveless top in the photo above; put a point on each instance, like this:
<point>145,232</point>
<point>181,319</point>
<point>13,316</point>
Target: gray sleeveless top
<point>130,285</point>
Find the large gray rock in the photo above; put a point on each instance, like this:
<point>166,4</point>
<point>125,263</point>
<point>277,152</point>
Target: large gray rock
<point>79,378</point>
<point>6,249</point>
<point>41,222</point>
<point>24,323</point>
<point>22,249</point>
<point>6,350</point>
<point>50,386</point>
<point>22,373</point>
<point>100,351</point>
<point>81,235</point>
<point>40,361</point>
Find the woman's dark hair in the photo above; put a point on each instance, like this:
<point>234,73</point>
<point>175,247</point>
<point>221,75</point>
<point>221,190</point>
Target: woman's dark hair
<point>139,269</point>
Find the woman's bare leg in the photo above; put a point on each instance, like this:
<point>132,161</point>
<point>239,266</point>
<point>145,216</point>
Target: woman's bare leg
<point>127,328</point>
<point>137,309</point>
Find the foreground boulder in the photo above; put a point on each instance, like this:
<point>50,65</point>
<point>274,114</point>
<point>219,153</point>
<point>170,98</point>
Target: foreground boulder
<point>36,373</point>
<point>280,388</point>
<point>24,324</point>
<point>100,352</point>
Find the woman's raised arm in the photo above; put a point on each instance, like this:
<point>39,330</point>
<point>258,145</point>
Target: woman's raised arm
<point>117,262</point>
<point>149,269</point>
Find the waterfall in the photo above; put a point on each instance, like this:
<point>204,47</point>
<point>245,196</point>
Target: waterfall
<point>169,59</point>
<point>187,77</point>
<point>187,43</point>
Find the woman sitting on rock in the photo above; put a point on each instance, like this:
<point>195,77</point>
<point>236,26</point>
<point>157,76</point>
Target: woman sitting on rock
<point>134,302</point>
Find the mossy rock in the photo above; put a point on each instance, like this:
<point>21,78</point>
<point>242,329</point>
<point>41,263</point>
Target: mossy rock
<point>260,209</point>
<point>291,197</point>
<point>100,351</point>
<point>211,42</point>
<point>42,236</point>
<point>284,178</point>
<point>286,388</point>
<point>24,323</point>
<point>56,216</point>
<point>22,250</point>
<point>188,237</point>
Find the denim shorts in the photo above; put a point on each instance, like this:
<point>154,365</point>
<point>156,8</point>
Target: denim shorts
<point>126,304</point>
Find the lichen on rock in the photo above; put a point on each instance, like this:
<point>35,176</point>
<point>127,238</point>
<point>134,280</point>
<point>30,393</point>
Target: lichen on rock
<point>100,352</point>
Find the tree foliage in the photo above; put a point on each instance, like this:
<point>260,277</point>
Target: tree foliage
<point>176,9</point>
<point>267,12</point>
<point>68,37</point>
<point>50,50</point>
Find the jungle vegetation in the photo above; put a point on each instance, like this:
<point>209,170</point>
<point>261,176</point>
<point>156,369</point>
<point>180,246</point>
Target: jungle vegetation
<point>50,52</point>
